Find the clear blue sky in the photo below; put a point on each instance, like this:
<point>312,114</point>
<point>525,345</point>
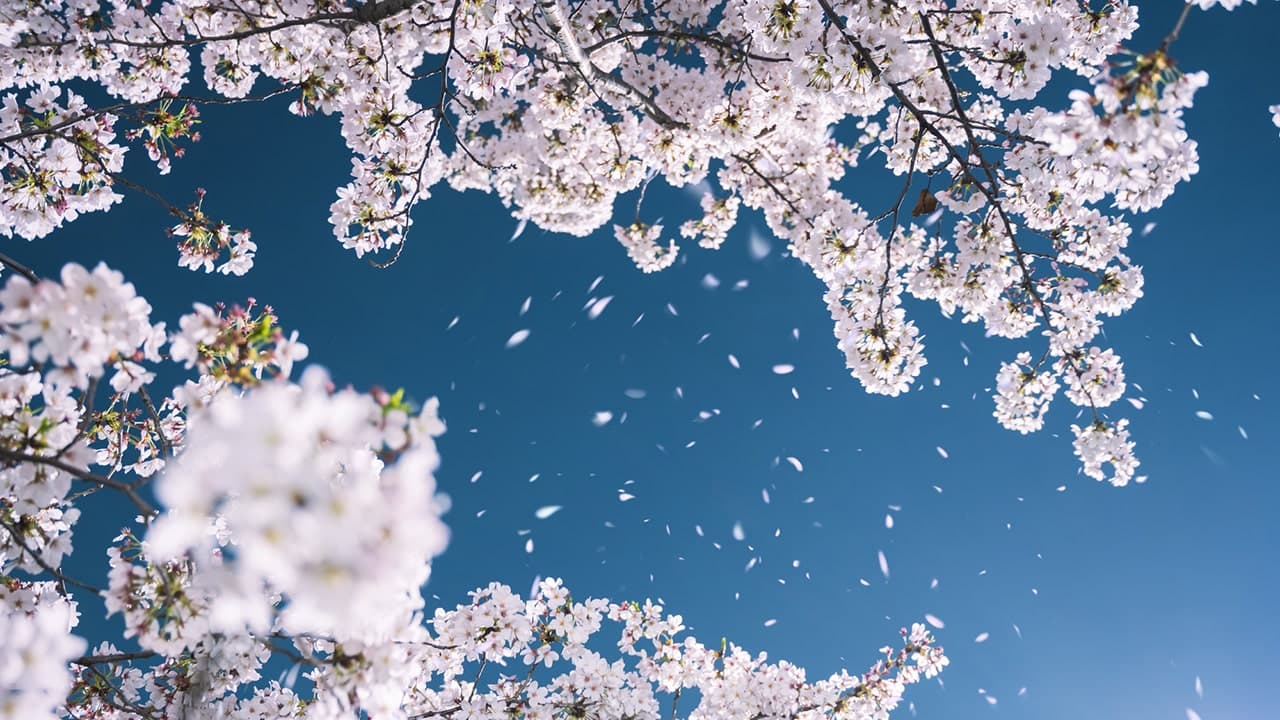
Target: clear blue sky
<point>1122,596</point>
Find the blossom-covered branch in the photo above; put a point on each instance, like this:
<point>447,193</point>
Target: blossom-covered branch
<point>296,521</point>
<point>1022,224</point>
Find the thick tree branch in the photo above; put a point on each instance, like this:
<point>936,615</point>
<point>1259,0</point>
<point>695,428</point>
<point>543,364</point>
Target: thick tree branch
<point>89,660</point>
<point>368,13</point>
<point>562,33</point>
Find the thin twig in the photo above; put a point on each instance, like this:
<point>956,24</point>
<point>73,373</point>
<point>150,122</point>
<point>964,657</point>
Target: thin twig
<point>14,456</point>
<point>64,579</point>
<point>19,268</point>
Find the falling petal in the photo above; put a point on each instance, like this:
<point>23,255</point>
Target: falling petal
<point>942,451</point>
<point>528,302</point>
<point>764,493</point>
<point>783,369</point>
<point>934,621</point>
<point>519,229</point>
<point>453,323</point>
<point>625,496</point>
<point>546,511</point>
<point>770,622</point>
<point>1199,688</point>
<point>884,564</point>
<point>759,246</point>
<point>795,463</point>
<point>598,307</point>
<point>888,521</point>
<point>516,338</point>
<point>734,361</point>
<point>1192,714</point>
<point>738,533</point>
<point>710,282</point>
<point>528,545</point>
<point>1196,341</point>
<point>982,637</point>
<point>1204,414</point>
<point>601,418</point>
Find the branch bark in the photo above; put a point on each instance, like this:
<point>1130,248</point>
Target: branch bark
<point>562,33</point>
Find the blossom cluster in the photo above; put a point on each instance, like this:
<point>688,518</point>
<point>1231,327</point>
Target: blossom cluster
<point>35,622</point>
<point>644,248</point>
<point>292,475</point>
<point>1101,444</point>
<point>49,177</point>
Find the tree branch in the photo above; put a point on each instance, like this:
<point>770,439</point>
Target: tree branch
<point>14,456</point>
<point>57,574</point>
<point>562,33</point>
<point>90,660</point>
<point>19,268</point>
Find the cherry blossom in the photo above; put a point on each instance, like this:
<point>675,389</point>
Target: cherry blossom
<point>289,520</point>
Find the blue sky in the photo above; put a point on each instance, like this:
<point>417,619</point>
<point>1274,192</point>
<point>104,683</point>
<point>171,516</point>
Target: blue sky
<point>1122,597</point>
